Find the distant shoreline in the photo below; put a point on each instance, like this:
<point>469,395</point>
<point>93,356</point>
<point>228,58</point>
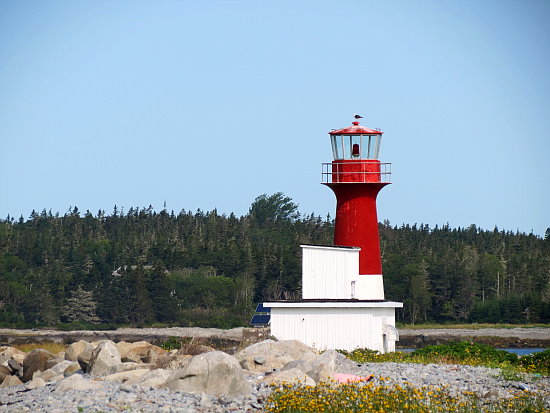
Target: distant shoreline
<point>520,337</point>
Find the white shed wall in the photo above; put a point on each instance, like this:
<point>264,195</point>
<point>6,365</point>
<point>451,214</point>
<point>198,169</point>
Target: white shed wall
<point>328,272</point>
<point>342,328</point>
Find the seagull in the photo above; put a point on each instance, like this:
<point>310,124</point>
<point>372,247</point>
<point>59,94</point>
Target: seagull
<point>356,116</point>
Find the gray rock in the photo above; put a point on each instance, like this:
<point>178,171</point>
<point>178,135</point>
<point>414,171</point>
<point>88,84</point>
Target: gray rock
<point>53,361</point>
<point>105,359</point>
<point>153,378</point>
<point>73,368</point>
<point>172,361</point>
<point>11,381</point>
<point>35,383</point>
<point>290,376</point>
<point>125,376</point>
<point>214,373</point>
<point>273,355</point>
<point>4,372</point>
<point>75,349</point>
<point>298,364</point>
<point>336,362</point>
<point>139,352</point>
<point>84,358</point>
<point>76,382</point>
<point>35,360</point>
<point>60,367</point>
<point>15,367</point>
<point>9,352</point>
<point>131,366</point>
<point>259,359</point>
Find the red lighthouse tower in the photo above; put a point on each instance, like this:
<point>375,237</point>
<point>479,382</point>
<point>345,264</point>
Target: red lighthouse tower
<point>356,176</point>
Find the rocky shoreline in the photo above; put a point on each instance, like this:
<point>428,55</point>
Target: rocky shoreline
<point>230,340</point>
<point>536,337</point>
<point>136,377</point>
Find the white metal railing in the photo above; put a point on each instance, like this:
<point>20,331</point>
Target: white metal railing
<point>356,172</point>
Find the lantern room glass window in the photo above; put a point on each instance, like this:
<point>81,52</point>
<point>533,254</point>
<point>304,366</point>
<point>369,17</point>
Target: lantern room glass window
<point>355,146</point>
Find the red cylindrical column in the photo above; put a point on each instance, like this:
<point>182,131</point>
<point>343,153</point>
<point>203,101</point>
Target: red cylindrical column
<point>357,222</point>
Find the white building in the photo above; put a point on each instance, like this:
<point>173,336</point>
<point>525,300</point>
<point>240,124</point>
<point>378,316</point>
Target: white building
<point>340,309</point>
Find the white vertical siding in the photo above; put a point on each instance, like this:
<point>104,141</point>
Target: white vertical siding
<point>327,272</point>
<point>342,328</point>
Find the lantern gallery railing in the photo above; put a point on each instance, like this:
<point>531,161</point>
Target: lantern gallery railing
<point>368,171</point>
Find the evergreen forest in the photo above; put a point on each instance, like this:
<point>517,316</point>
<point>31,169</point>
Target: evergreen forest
<point>141,267</point>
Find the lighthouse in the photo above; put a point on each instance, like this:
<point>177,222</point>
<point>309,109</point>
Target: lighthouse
<point>342,304</point>
<point>356,176</point>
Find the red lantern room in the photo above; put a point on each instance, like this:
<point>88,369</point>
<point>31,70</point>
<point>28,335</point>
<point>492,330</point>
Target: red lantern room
<point>356,176</point>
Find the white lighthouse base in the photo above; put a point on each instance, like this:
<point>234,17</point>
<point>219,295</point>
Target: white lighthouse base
<point>368,287</point>
<point>335,324</point>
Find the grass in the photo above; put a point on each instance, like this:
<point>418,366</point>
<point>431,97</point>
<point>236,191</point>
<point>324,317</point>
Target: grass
<point>186,345</point>
<point>382,396</point>
<point>49,346</point>
<point>328,397</point>
<point>463,352</point>
<point>474,326</point>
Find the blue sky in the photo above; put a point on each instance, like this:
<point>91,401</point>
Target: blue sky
<point>208,104</point>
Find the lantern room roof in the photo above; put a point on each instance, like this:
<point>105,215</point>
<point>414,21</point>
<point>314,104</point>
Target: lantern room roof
<point>355,129</point>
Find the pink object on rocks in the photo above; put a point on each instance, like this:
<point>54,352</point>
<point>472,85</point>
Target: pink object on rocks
<point>344,378</point>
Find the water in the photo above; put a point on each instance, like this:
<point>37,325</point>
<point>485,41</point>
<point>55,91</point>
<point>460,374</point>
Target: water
<point>518,351</point>
<point>523,351</point>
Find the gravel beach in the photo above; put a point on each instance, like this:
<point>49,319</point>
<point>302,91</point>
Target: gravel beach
<point>113,397</point>
<point>110,396</point>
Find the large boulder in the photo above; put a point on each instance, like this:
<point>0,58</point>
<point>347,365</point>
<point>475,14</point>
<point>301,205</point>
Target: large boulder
<point>131,366</point>
<point>56,372</point>
<point>337,362</point>
<point>85,357</point>
<point>296,349</point>
<point>60,368</point>
<point>152,378</point>
<point>291,376</point>
<point>139,352</point>
<point>11,381</point>
<point>54,361</point>
<point>325,366</point>
<point>76,382</point>
<point>35,383</point>
<point>215,373</point>
<point>4,372</point>
<point>75,349</point>
<point>35,360</point>
<point>15,367</point>
<point>270,355</point>
<point>266,363</point>
<point>18,357</point>
<point>73,368</point>
<point>125,376</point>
<point>11,351</point>
<point>173,361</point>
<point>105,359</point>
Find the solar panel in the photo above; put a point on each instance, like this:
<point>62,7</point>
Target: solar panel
<point>261,309</point>
<point>260,319</point>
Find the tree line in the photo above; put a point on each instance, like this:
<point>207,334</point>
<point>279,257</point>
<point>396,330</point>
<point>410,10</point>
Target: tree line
<point>143,267</point>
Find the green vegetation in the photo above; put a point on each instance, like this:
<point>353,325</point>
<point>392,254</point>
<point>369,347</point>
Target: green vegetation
<point>379,396</point>
<point>462,352</point>
<point>471,326</point>
<point>370,397</point>
<point>53,348</point>
<point>142,267</point>
<point>173,343</point>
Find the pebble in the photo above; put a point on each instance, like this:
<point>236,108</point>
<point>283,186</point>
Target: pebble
<point>114,397</point>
